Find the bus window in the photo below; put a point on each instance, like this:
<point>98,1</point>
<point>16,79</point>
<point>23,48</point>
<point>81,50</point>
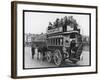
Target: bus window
<point>51,41</point>
<point>56,41</point>
<point>61,41</point>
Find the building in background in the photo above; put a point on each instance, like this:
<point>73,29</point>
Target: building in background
<point>28,39</point>
<point>34,39</point>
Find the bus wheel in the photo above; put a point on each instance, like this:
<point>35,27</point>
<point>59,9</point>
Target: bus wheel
<point>58,58</point>
<point>48,56</point>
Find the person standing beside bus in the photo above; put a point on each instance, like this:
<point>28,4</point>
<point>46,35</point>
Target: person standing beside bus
<point>33,51</point>
<point>37,52</point>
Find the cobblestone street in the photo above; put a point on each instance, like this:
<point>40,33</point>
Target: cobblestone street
<point>34,63</point>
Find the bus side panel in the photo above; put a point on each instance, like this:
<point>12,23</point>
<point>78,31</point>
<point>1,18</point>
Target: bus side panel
<point>53,48</point>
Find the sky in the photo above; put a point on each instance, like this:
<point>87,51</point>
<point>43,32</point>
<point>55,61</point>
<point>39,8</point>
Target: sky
<point>37,23</point>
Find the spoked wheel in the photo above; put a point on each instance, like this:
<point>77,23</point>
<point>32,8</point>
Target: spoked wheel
<point>58,58</point>
<point>49,56</point>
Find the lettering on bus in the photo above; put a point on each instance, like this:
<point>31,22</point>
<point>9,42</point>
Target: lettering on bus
<point>54,30</point>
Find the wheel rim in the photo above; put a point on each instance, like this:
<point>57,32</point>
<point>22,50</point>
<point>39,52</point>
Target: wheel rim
<point>48,56</point>
<point>57,58</point>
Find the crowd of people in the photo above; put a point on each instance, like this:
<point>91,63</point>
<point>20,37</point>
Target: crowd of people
<point>36,50</point>
<point>67,20</point>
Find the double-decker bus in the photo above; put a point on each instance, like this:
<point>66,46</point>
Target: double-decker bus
<point>63,41</point>
<point>63,44</point>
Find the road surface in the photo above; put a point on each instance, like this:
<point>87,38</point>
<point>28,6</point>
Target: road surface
<point>34,63</point>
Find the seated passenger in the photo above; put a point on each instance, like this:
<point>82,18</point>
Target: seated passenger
<point>50,26</point>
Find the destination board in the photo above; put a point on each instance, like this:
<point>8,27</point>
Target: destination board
<point>55,30</point>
